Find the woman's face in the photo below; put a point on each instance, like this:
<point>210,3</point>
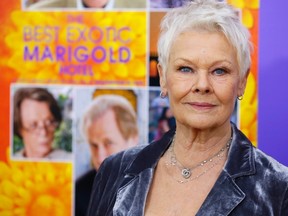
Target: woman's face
<point>202,79</point>
<point>37,128</point>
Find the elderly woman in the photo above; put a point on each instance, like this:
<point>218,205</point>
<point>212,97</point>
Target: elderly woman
<point>204,166</point>
<point>36,118</point>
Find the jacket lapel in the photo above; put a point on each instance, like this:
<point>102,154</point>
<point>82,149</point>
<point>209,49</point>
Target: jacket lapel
<point>223,198</point>
<point>225,194</point>
<point>131,197</point>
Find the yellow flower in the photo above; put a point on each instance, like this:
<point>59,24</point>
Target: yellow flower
<point>35,188</point>
<point>251,4</point>
<point>248,110</point>
<point>246,6</point>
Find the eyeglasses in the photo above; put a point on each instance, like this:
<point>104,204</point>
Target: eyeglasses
<point>47,125</point>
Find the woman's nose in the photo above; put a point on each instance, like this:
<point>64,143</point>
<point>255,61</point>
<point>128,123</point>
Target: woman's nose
<point>201,83</point>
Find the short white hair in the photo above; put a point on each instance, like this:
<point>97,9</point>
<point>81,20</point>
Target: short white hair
<point>208,15</point>
<point>125,114</point>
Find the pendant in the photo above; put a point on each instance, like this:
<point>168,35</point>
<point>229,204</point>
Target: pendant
<point>186,173</point>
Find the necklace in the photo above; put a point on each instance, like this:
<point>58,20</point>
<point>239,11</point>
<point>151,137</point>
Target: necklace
<point>186,172</point>
<point>216,161</point>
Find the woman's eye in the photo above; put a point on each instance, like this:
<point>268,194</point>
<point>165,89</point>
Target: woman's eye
<point>219,71</point>
<point>185,69</point>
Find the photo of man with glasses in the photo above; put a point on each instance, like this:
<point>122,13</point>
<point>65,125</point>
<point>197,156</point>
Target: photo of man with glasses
<point>36,117</point>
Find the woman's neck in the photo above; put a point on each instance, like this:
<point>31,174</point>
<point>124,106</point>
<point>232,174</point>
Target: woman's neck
<point>194,145</point>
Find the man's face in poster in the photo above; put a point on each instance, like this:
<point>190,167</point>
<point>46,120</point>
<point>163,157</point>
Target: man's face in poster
<point>105,138</point>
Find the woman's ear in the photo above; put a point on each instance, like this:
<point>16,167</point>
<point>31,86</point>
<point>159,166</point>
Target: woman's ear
<point>162,77</point>
<point>243,83</point>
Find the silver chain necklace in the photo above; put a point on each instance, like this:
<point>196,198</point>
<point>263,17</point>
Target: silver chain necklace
<point>186,172</point>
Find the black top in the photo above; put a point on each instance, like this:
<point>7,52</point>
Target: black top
<point>83,190</point>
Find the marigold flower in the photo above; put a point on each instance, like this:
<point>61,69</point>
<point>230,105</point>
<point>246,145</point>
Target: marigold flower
<point>248,110</point>
<point>246,6</point>
<point>35,188</point>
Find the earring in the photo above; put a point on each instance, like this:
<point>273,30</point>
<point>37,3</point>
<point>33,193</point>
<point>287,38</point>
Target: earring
<point>240,97</point>
<point>162,95</point>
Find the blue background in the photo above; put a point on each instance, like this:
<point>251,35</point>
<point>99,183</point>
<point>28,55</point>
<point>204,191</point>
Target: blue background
<point>273,79</point>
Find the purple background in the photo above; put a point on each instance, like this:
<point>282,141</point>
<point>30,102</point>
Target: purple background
<point>273,79</point>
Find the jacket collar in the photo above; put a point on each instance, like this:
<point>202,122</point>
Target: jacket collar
<point>240,160</point>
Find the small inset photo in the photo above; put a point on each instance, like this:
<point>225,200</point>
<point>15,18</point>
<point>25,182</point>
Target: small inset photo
<point>166,4</point>
<point>48,4</point>
<point>111,4</point>
<point>41,121</point>
<point>161,118</point>
<point>107,121</point>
